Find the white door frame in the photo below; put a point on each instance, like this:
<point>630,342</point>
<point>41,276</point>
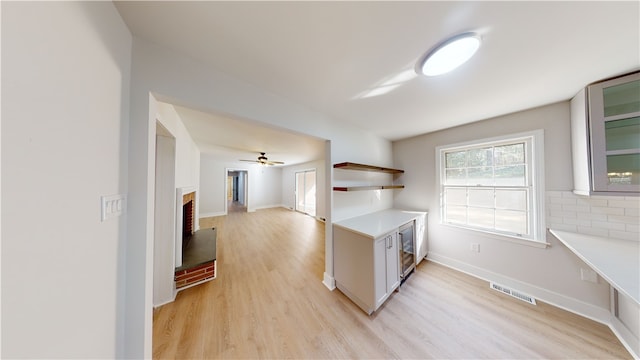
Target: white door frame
<point>295,181</point>
<point>164,251</point>
<point>245,187</point>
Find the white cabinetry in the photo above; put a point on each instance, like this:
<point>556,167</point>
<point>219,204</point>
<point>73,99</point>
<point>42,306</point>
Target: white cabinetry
<point>387,277</point>
<point>366,270</point>
<point>605,137</point>
<point>366,254</point>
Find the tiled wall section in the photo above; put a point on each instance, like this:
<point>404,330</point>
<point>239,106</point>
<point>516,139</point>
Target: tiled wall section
<point>608,216</point>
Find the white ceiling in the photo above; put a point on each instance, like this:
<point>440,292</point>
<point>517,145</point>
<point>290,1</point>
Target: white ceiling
<point>327,54</point>
<point>234,139</point>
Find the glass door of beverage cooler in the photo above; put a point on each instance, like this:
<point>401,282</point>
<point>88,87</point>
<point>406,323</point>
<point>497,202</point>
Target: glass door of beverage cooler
<point>407,249</point>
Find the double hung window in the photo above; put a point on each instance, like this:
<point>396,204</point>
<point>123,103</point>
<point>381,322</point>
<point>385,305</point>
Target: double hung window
<point>494,185</point>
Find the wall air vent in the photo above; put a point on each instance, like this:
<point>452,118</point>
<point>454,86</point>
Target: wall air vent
<point>514,293</point>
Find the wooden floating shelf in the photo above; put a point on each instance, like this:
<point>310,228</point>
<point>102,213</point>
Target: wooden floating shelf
<point>363,167</point>
<point>359,188</point>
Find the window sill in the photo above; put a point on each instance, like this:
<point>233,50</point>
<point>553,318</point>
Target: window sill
<point>540,244</point>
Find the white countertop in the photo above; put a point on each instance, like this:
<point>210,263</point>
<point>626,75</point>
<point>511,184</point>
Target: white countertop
<point>617,261</point>
<point>378,223</point>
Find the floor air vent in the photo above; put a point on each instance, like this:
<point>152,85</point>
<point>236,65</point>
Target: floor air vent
<point>514,293</point>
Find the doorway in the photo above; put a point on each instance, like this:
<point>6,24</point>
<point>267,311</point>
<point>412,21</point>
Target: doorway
<point>306,192</point>
<point>237,185</point>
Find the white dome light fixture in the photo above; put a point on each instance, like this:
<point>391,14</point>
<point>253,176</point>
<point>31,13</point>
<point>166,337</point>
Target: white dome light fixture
<point>449,54</point>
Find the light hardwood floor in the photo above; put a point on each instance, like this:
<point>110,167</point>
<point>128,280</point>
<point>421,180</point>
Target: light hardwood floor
<point>268,301</point>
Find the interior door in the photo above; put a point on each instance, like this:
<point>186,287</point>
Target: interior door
<point>306,192</point>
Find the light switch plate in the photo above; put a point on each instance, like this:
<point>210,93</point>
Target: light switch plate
<point>112,206</point>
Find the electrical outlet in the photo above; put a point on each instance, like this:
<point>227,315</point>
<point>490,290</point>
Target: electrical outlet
<point>475,247</point>
<point>588,275</point>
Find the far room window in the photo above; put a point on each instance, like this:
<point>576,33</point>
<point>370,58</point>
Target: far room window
<point>494,185</point>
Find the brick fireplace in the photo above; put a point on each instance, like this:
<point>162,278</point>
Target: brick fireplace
<point>188,212</point>
<point>195,248</point>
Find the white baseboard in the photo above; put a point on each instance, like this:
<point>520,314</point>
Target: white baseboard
<point>212,214</point>
<point>167,301</point>
<point>329,281</point>
<point>626,337</point>
<point>575,306</point>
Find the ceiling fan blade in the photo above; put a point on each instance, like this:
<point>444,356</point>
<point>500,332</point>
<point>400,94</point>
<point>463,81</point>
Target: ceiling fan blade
<point>262,159</point>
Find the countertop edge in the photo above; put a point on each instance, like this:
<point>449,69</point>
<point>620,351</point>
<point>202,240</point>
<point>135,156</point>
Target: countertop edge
<point>411,215</point>
<point>562,235</point>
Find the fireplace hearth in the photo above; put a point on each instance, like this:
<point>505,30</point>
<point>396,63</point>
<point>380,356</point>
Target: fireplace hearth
<point>198,250</point>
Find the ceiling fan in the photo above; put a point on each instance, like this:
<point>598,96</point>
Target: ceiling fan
<point>262,160</point>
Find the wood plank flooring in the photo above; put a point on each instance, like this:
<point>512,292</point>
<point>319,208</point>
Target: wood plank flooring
<point>268,301</point>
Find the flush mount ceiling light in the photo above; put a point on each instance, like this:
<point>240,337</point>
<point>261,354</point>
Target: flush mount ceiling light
<point>449,54</point>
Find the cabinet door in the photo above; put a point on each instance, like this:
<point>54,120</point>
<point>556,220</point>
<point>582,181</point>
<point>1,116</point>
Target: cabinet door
<point>380,269</point>
<point>393,262</point>
<point>614,115</point>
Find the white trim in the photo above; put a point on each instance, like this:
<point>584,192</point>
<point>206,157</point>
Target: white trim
<point>575,306</point>
<point>329,281</point>
<point>534,141</point>
<point>502,237</point>
<point>626,337</point>
<point>175,293</point>
<point>246,188</point>
<point>212,214</point>
<point>270,207</point>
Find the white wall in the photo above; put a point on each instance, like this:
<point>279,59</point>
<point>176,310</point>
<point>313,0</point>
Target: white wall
<point>289,185</point>
<point>187,153</point>
<point>551,274</point>
<point>65,112</point>
<point>263,191</point>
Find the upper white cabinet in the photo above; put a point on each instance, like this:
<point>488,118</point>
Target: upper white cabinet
<point>605,137</point>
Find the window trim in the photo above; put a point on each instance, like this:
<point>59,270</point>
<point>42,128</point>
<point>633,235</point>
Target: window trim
<point>537,177</point>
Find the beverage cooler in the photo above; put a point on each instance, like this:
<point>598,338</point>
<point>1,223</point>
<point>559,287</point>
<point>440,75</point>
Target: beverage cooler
<point>407,249</point>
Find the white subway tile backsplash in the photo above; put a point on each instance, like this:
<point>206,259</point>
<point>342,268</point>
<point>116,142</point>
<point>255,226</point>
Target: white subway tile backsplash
<point>571,221</point>
<point>607,210</point>
<point>563,214</point>
<point>621,219</point>
<point>576,208</point>
<point>608,225</point>
<point>624,235</point>
<point>592,216</point>
<point>632,212</point>
<point>592,202</point>
<point>624,204</point>
<point>634,228</point>
<point>606,216</point>
<point>593,231</point>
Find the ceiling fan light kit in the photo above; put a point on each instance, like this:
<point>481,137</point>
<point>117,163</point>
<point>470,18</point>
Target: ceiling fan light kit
<point>263,160</point>
<point>449,54</point>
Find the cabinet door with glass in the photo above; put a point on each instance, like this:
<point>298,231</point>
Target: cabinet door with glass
<point>614,121</point>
